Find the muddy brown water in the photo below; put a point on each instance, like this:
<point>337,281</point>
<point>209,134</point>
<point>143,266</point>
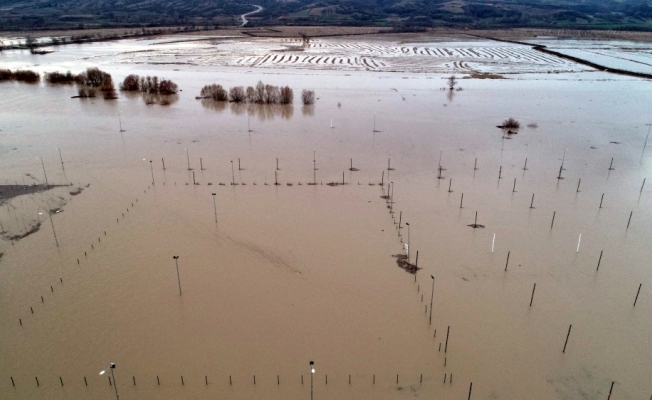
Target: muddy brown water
<point>296,273</point>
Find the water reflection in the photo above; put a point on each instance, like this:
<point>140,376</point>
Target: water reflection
<point>151,99</point>
<point>308,110</point>
<point>261,111</point>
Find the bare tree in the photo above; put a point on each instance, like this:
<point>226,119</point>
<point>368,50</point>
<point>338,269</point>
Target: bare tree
<point>452,81</point>
<point>131,83</point>
<point>237,94</point>
<point>260,92</point>
<point>308,97</point>
<point>251,94</point>
<point>214,92</point>
<point>286,95</point>
<point>167,87</point>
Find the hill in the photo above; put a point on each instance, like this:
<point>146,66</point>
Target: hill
<point>399,14</point>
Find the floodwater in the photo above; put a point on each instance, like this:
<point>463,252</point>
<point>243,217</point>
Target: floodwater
<point>290,274</point>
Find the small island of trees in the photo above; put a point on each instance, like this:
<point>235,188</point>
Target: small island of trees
<point>260,94</point>
<point>20,75</point>
<point>152,87</point>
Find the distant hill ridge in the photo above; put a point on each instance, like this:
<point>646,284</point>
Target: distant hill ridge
<point>405,15</point>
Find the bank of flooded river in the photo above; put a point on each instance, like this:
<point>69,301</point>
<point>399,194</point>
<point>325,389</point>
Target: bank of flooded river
<point>290,274</point>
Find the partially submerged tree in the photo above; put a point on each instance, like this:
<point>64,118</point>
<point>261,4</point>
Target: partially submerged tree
<point>286,95</point>
<point>452,81</point>
<point>130,83</point>
<point>60,78</point>
<point>237,94</point>
<point>167,87</point>
<point>27,76</point>
<point>308,97</point>
<point>215,92</point>
<point>510,123</point>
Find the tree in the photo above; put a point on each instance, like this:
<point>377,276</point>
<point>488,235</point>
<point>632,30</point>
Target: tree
<point>286,95</point>
<point>214,92</point>
<point>237,94</point>
<point>259,95</point>
<point>131,83</point>
<point>308,97</point>
<point>452,81</point>
<point>167,87</point>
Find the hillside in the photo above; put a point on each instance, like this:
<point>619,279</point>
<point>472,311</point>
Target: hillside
<point>400,14</point>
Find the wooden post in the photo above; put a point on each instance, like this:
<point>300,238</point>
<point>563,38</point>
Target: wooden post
<point>475,166</point>
<point>567,336</point>
<point>642,185</point>
<point>470,389</point>
<point>601,198</point>
<point>553,219</point>
<point>500,172</point>
<point>525,166</point>
<point>448,331</point>
<point>630,218</point>
<point>599,259</point>
<point>182,383</point>
<point>532,298</point>
<point>514,188</point>
<point>239,168</point>
<point>163,163</point>
<point>611,165</point>
<point>532,202</point>
<point>578,185</point>
<point>450,182</point>
<point>201,164</point>
<point>611,390</point>
<point>277,163</point>
<point>461,200</point>
<point>382,180</point>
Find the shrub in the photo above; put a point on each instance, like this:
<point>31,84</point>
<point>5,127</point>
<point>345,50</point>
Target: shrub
<point>237,94</point>
<point>58,77</point>
<point>131,83</point>
<point>286,95</point>
<point>308,97</point>
<point>168,87</point>
<point>511,123</point>
<point>27,76</point>
<point>250,94</point>
<point>94,77</point>
<point>6,75</point>
<point>214,92</point>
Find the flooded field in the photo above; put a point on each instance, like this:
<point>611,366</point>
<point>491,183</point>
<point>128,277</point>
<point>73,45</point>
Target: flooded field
<point>274,276</point>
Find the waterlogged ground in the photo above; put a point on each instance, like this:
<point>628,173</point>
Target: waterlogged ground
<point>297,272</point>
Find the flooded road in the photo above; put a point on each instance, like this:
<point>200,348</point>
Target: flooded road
<point>290,274</point>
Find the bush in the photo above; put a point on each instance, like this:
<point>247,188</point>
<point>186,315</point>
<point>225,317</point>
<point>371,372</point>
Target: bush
<point>250,94</point>
<point>168,87</point>
<point>58,77</point>
<point>214,92</point>
<point>237,94</point>
<point>27,76</point>
<point>130,83</point>
<point>94,77</point>
<point>308,97</point>
<point>6,75</point>
<point>511,123</point>
<point>286,95</point>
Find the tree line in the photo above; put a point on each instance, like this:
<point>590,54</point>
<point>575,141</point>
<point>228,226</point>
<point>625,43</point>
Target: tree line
<point>20,75</point>
<point>260,94</point>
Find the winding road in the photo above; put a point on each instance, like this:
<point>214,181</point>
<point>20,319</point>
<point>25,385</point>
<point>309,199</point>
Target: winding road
<point>244,16</point>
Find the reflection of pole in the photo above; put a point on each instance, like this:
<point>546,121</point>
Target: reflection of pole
<point>188,158</point>
<point>232,174</point>
<point>61,158</point>
<point>151,166</point>
<point>432,294</point>
<point>53,231</point>
<point>115,385</point>
<point>215,206</point>
<point>176,260</point>
<point>248,125</point>
<point>120,120</point>
<point>374,122</point>
<point>44,174</point>
<point>312,372</point>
